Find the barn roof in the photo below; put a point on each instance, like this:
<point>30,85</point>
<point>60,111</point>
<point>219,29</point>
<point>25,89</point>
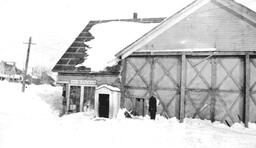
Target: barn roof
<point>77,51</point>
<point>239,9</point>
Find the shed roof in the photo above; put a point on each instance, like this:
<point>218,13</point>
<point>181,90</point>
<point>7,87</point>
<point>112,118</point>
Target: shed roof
<point>77,51</point>
<point>108,87</point>
<point>238,9</point>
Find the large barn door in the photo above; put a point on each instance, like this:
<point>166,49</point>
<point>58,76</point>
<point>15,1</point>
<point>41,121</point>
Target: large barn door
<point>198,84</point>
<point>137,81</point>
<point>165,85</point>
<point>229,95</point>
<point>252,101</point>
<point>214,89</point>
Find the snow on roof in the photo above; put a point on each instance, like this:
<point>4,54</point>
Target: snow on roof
<point>109,39</point>
<point>108,87</point>
<point>247,3</point>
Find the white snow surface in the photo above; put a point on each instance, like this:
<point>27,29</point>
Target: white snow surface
<point>30,120</point>
<point>110,38</point>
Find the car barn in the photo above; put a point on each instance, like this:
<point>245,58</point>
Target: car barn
<point>198,63</point>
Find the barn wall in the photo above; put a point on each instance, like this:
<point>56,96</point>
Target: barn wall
<point>214,86</point>
<point>211,26</point>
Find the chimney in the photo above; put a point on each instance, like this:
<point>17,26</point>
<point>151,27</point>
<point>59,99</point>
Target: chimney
<point>135,16</point>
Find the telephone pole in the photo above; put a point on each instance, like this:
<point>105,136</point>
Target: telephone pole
<point>26,65</point>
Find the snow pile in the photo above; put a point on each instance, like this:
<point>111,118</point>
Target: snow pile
<point>51,95</point>
<point>15,103</point>
<point>110,38</point>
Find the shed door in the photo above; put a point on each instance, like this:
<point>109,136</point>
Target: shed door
<point>104,105</point>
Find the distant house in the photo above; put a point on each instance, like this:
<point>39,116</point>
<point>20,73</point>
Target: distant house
<point>198,63</point>
<point>41,75</point>
<point>79,82</point>
<point>9,71</point>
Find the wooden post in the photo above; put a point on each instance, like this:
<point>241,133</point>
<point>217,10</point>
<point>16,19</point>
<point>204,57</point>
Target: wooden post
<point>182,87</point>
<point>26,65</point>
<point>81,105</point>
<point>123,79</point>
<point>213,89</point>
<point>247,90</point>
<point>68,99</point>
<point>152,65</point>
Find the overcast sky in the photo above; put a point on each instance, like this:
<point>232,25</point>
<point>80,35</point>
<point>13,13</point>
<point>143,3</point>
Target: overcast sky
<point>54,24</point>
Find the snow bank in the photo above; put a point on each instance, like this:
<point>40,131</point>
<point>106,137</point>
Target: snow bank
<point>110,38</point>
<point>29,120</point>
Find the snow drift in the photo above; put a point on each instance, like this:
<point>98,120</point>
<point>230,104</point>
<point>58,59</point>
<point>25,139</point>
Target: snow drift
<point>30,120</point>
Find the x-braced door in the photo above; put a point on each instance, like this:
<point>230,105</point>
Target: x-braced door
<point>214,89</point>
<point>165,84</point>
<point>137,82</point>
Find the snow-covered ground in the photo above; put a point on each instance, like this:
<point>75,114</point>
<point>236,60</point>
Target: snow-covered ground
<point>31,120</point>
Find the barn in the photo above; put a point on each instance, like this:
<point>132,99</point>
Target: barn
<point>79,81</point>
<point>198,63</point>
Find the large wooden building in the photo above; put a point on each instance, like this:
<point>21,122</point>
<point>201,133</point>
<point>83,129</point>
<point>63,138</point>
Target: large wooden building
<point>79,82</point>
<point>198,63</point>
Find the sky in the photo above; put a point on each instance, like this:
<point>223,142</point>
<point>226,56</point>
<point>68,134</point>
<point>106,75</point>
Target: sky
<point>54,24</point>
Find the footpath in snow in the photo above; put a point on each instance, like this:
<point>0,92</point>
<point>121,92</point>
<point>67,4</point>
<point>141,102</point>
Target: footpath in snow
<point>31,120</point>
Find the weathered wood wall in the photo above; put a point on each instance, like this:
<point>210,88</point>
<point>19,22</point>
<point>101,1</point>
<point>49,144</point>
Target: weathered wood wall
<point>213,86</point>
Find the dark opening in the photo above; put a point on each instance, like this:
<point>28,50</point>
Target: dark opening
<point>104,105</point>
<point>140,107</point>
<point>152,107</point>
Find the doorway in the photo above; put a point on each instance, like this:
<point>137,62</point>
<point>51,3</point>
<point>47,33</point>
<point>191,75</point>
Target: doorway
<point>104,105</point>
<point>140,107</point>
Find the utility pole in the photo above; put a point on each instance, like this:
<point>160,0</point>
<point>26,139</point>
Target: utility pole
<point>26,66</point>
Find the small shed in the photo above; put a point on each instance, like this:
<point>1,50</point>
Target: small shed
<point>107,101</point>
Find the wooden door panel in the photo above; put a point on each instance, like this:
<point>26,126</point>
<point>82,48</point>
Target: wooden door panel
<point>252,103</point>
<point>198,97</point>
<point>165,85</point>
<point>230,82</point>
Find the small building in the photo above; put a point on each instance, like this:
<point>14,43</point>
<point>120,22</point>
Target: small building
<point>198,63</point>
<point>80,81</point>
<point>107,101</point>
<point>9,72</point>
